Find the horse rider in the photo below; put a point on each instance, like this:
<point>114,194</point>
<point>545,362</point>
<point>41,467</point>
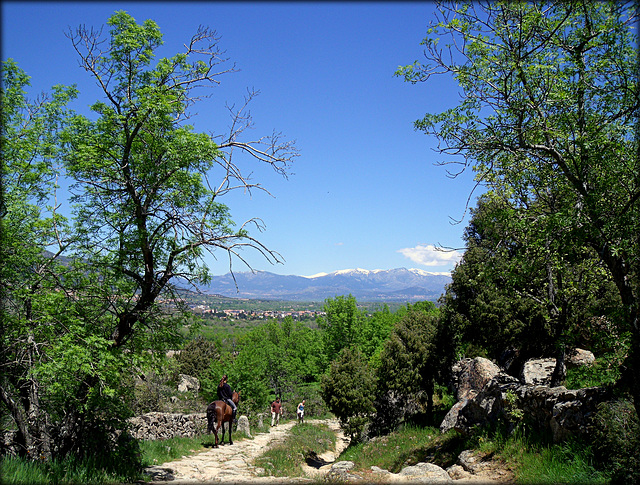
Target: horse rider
<point>225,394</point>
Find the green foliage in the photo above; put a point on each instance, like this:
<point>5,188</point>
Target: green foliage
<point>274,359</point>
<point>349,391</point>
<point>416,354</point>
<point>196,356</point>
<point>548,121</point>
<point>376,328</point>
<point>616,438</point>
<point>341,326</point>
<point>554,307</point>
<point>305,441</point>
<point>78,319</point>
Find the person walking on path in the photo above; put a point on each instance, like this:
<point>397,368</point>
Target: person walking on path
<point>300,411</point>
<point>276,412</point>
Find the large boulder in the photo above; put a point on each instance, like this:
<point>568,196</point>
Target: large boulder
<point>485,406</point>
<point>538,372</point>
<point>243,426</point>
<point>340,471</point>
<point>188,383</point>
<point>424,473</point>
<point>580,357</point>
<point>469,376</point>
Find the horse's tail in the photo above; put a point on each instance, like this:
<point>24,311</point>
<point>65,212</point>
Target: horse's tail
<point>211,416</point>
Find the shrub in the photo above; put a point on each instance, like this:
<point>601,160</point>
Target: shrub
<point>349,391</point>
<point>617,440</point>
<point>196,357</point>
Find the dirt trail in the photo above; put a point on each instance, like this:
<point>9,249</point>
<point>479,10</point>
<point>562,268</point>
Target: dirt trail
<point>235,463</point>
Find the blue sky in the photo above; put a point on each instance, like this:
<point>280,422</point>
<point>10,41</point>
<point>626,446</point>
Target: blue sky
<point>364,191</point>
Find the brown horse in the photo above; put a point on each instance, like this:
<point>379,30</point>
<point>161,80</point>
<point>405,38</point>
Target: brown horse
<point>219,412</point>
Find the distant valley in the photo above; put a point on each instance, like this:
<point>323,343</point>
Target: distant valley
<point>376,285</point>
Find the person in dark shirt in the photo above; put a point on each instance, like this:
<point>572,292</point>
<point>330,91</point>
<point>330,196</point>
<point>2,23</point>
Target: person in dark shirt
<point>276,412</point>
<point>225,394</point>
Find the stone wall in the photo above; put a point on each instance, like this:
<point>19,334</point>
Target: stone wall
<point>161,426</point>
<point>483,397</point>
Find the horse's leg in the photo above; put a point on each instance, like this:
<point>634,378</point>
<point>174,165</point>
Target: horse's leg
<point>218,429</point>
<point>211,426</point>
<point>230,427</point>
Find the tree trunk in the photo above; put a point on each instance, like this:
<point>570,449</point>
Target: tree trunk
<point>560,370</point>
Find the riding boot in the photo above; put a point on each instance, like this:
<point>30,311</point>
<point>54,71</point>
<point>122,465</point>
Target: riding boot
<point>233,415</point>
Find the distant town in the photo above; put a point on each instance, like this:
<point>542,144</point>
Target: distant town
<point>225,308</point>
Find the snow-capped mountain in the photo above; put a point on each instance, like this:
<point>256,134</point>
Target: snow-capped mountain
<point>366,285</point>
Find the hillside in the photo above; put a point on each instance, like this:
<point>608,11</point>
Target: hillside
<point>406,285</point>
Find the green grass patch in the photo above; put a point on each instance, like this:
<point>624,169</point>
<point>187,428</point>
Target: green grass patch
<point>304,441</point>
<point>535,460</point>
<point>19,471</point>
<point>68,471</point>
<point>406,447</point>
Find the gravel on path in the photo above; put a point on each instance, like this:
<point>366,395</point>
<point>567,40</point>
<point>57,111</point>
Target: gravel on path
<point>235,463</point>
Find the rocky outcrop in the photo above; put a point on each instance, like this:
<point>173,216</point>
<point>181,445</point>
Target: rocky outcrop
<point>471,375</point>
<point>561,411</point>
<point>161,426</point>
<point>538,372</point>
<point>188,383</point>
<point>578,357</point>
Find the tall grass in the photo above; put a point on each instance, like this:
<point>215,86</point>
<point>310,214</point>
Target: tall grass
<point>567,463</point>
<point>305,440</point>
<point>17,471</point>
<point>68,471</point>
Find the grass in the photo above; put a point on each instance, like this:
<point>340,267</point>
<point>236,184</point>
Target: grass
<point>69,471</point>
<point>406,447</point>
<point>530,459</point>
<point>566,463</point>
<point>18,471</point>
<point>304,441</point>
<point>72,471</point>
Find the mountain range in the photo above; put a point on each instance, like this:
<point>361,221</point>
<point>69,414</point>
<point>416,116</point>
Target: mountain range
<point>399,284</point>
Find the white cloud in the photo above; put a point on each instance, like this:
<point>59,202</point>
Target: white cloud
<point>428,255</point>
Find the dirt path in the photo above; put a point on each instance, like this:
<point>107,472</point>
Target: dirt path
<point>235,463</point>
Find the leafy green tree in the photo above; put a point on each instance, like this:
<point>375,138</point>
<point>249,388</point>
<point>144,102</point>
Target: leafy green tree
<point>147,192</point>
<point>147,208</point>
<point>196,356</point>
<point>341,326</point>
<point>509,294</point>
<point>375,331</point>
<point>29,224</point>
<point>414,355</point>
<point>549,105</point>
<point>274,359</point>
<point>349,391</point>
